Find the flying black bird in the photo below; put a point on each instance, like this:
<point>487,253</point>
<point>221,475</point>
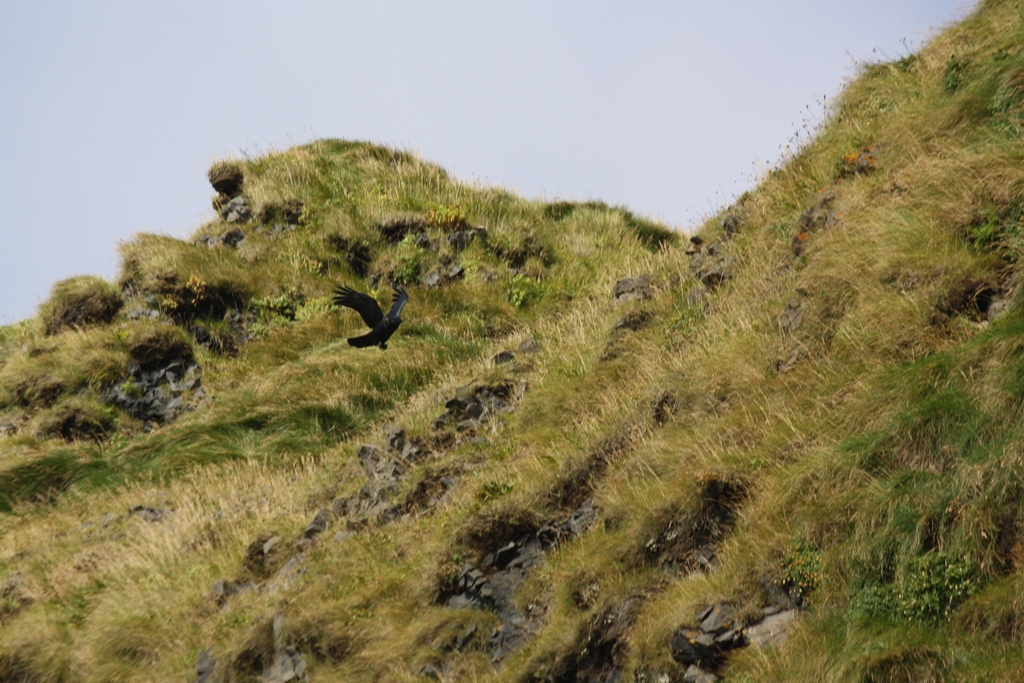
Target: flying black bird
<point>381,326</point>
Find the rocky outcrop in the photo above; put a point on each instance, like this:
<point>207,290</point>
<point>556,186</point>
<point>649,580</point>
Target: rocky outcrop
<point>705,647</point>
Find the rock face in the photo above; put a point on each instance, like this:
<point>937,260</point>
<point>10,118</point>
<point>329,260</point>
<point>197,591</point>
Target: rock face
<point>492,582</point>
<point>819,216</point>
<point>711,264</point>
<point>629,288</point>
<point>705,647</point>
<point>157,393</point>
<point>474,405</point>
<point>238,210</point>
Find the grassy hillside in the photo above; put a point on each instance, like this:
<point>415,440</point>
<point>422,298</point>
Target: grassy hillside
<point>588,432</point>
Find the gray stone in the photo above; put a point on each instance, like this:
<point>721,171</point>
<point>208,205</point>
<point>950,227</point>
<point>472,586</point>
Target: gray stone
<point>460,239</point>
<point>633,288</point>
<point>204,667</point>
<point>320,523</point>
<point>719,620</point>
<point>792,317</point>
<point>149,514</point>
<point>238,210</point>
<point>692,646</point>
<point>695,674</point>
<point>232,238</point>
<point>432,280</point>
<point>528,346</point>
<point>503,357</point>
<point>773,630</point>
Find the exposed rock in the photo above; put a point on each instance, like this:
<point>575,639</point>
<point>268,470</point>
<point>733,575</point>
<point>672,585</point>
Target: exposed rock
<point>140,313</point>
<point>792,317</point>
<point>706,646</point>
<point>503,358</point>
<point>772,630</point>
<point>860,162</point>
<point>640,287</point>
<point>474,405</point>
<point>493,582</point>
<point>712,264</point>
<point>320,523</point>
<point>232,238</point>
<point>601,648</point>
<point>205,666</point>
<point>690,646</point>
<point>148,513</point>
<point>436,278</point>
<point>529,345</point>
<point>288,663</point>
<point>238,210</point>
<point>815,219</point>
<point>225,588</point>
<point>731,224</point>
<point>688,539</point>
<point>695,674</point>
<point>157,393</point>
<point>694,246</point>
<point>460,239</point>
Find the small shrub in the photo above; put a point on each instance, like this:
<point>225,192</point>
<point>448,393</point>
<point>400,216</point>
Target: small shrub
<point>954,76</point>
<point>78,302</point>
<point>930,589</point>
<point>801,566</point>
<point>523,290</point>
<point>445,217</point>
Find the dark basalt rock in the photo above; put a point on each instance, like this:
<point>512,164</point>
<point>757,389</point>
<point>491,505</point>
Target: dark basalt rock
<point>238,210</point>
<point>157,393</point>
<point>492,583</point>
<point>232,238</point>
<point>474,405</point>
<point>706,646</point>
<point>640,287</point>
<point>503,358</point>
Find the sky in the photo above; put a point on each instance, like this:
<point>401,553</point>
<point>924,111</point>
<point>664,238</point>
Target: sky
<point>113,111</point>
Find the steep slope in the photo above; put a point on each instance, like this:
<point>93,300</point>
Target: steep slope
<point>788,449</point>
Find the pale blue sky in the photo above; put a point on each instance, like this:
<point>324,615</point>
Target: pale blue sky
<point>113,111</point>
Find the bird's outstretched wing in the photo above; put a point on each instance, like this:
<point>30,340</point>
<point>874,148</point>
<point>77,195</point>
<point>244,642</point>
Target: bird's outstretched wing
<point>364,304</point>
<point>401,298</point>
<point>371,338</point>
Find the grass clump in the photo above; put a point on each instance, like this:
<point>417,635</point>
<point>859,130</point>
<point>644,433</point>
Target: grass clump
<point>79,302</point>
